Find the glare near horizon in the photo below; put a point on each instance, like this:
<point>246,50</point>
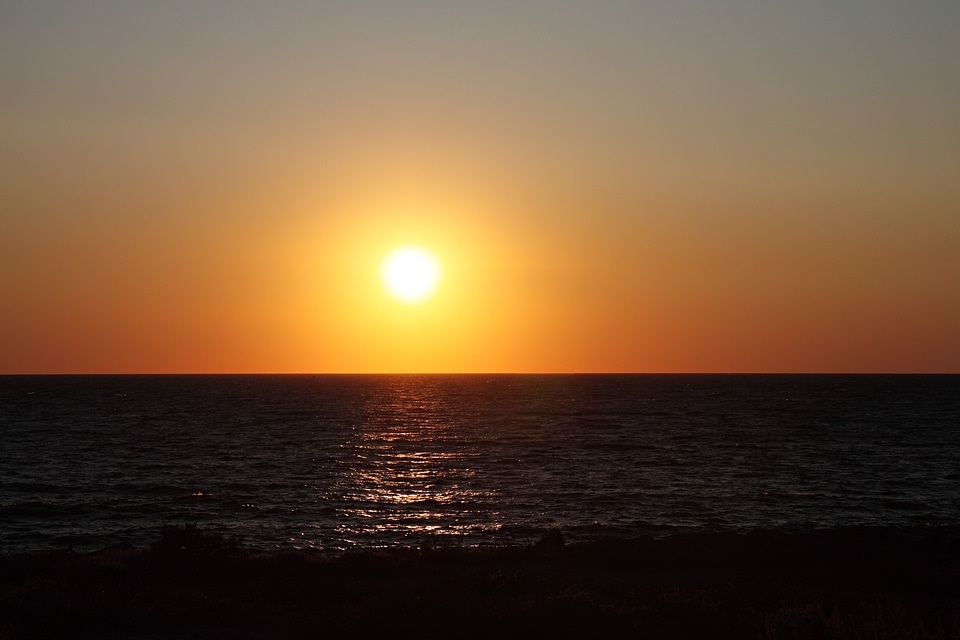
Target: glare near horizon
<point>606,187</point>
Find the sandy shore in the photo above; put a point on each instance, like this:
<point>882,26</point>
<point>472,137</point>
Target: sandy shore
<point>850,583</point>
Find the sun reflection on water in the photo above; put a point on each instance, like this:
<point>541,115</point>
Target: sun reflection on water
<point>407,472</point>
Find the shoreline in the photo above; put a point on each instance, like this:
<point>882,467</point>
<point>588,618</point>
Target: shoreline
<point>853,582</point>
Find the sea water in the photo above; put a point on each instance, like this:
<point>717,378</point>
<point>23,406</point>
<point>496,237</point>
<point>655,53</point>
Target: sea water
<point>339,461</point>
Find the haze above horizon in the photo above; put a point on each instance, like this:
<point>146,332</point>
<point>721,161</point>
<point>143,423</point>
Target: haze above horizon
<point>738,186</point>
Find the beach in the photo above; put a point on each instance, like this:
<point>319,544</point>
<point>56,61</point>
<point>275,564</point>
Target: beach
<point>855,582</point>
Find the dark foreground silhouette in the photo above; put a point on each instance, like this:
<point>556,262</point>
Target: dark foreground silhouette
<point>850,583</point>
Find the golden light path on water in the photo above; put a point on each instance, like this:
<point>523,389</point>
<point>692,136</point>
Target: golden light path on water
<point>408,472</point>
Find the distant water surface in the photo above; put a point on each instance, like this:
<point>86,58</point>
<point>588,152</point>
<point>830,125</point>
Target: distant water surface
<point>336,462</point>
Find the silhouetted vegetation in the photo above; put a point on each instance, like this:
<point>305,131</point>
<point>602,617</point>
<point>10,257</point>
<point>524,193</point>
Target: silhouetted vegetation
<point>853,583</point>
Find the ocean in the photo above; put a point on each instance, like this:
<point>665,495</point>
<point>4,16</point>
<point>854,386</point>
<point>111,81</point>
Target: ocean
<point>336,462</point>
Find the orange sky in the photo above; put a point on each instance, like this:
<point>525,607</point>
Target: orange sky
<point>610,188</point>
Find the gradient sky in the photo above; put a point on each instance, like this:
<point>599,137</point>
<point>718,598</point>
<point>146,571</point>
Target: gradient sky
<point>724,186</point>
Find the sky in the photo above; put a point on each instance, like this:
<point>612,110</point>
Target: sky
<point>610,186</point>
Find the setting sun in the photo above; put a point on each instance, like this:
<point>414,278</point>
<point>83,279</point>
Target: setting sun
<point>410,274</point>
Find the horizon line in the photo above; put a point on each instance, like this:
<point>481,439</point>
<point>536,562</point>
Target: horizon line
<point>491,373</point>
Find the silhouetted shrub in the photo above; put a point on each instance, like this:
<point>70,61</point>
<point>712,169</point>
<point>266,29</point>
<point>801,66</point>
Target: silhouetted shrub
<point>551,542</point>
<point>187,544</point>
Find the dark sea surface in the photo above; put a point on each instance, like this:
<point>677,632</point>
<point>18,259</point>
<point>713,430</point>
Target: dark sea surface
<point>337,462</point>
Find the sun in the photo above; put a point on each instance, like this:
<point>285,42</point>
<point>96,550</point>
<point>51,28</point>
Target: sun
<point>410,274</point>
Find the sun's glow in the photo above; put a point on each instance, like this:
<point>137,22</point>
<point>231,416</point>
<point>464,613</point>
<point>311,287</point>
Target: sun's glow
<point>410,274</point>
